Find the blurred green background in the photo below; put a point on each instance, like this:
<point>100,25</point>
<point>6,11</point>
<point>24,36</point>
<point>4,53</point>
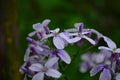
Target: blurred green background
<point>17,17</point>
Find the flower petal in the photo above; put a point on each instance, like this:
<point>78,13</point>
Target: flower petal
<point>27,53</point>
<point>39,48</point>
<point>96,69</point>
<point>48,36</point>
<point>117,50</point>
<point>109,42</point>
<point>45,22</point>
<point>117,77</point>
<point>64,56</point>
<point>58,42</point>
<point>73,40</point>
<point>51,62</point>
<point>55,31</point>
<point>53,73</point>
<point>38,27</point>
<point>90,40</point>
<point>36,67</point>
<point>32,33</point>
<point>105,75</point>
<point>38,76</point>
<point>104,48</point>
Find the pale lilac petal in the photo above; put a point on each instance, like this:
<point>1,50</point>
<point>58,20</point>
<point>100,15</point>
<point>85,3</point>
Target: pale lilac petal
<point>110,43</point>
<point>38,27</point>
<point>72,34</point>
<point>90,40</point>
<point>58,42</point>
<point>105,75</point>
<point>118,77</point>
<point>104,48</point>
<point>83,33</point>
<point>64,56</point>
<point>36,67</point>
<point>117,50</point>
<point>27,53</point>
<point>55,31</point>
<point>53,73</point>
<point>32,33</point>
<point>73,40</point>
<point>38,76</point>
<point>51,62</point>
<point>39,48</point>
<point>96,69</point>
<point>45,22</point>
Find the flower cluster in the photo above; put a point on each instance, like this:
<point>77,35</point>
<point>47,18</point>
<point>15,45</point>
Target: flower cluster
<point>107,61</point>
<point>42,57</point>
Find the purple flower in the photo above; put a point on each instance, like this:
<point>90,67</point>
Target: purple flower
<point>111,45</point>
<point>78,35</point>
<point>40,28</point>
<point>45,69</point>
<point>105,74</point>
<point>58,41</point>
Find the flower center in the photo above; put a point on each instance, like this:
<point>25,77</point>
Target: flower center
<point>80,34</point>
<point>114,49</point>
<point>44,69</point>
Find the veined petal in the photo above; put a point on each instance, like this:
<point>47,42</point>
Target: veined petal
<point>109,42</point>
<point>53,73</point>
<point>73,40</point>
<point>36,67</point>
<point>96,69</point>
<point>64,56</point>
<point>45,22</point>
<point>90,40</point>
<point>27,53</point>
<point>58,42</point>
<point>51,62</point>
<point>38,76</point>
<point>105,48</point>
<point>32,33</point>
<point>117,50</point>
<point>105,75</point>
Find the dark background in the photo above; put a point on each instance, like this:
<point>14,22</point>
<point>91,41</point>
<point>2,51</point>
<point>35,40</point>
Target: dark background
<point>17,17</point>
